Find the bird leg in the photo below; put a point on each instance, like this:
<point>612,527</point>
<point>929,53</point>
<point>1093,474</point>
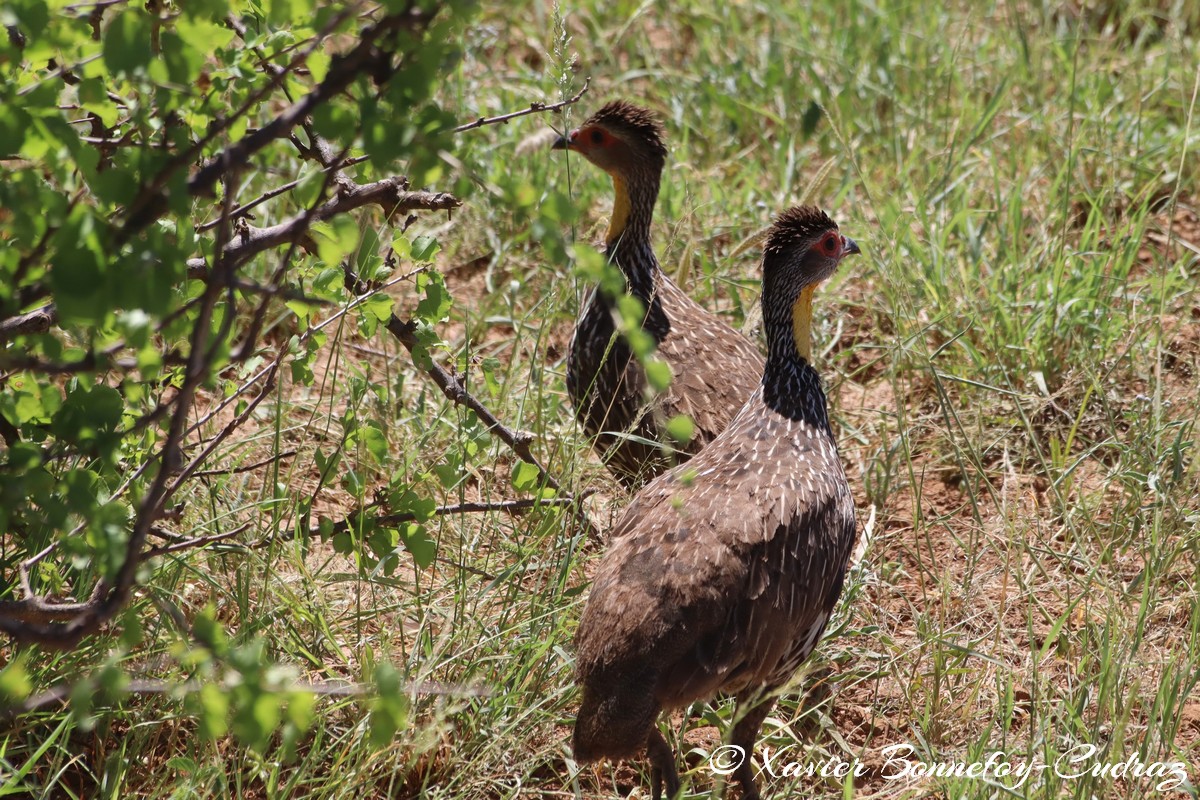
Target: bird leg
<point>745,736</point>
<point>662,765</point>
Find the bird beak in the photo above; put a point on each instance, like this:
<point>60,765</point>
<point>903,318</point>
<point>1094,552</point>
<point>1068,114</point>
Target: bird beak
<point>849,247</point>
<point>563,142</point>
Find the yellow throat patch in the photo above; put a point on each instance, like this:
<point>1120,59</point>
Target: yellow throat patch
<point>802,322</point>
<point>620,213</point>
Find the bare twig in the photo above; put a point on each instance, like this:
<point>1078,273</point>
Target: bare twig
<point>152,686</point>
<point>63,625</point>
<point>268,371</point>
<point>388,193</point>
<point>35,255</point>
<point>534,108</point>
<point>204,473</point>
<point>91,361</point>
<point>193,543</point>
<point>36,610</point>
<point>243,209</point>
<point>517,441</point>
<point>58,72</point>
<point>37,321</point>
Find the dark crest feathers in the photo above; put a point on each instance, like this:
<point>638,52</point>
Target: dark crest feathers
<point>641,123</point>
<point>796,226</point>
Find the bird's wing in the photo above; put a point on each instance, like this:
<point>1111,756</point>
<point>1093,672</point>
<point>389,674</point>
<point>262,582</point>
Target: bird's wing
<point>682,554</point>
<point>683,585</point>
<point>715,368</point>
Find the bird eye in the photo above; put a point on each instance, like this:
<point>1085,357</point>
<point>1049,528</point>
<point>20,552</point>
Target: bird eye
<point>597,136</point>
<point>830,245</point>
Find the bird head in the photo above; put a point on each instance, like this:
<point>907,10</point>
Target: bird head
<point>620,139</point>
<point>804,248</point>
<point>626,141</point>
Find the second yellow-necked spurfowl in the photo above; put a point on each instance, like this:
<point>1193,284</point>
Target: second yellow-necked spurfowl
<point>714,367</point>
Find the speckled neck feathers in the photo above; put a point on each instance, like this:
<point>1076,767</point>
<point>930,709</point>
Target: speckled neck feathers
<point>628,245</point>
<point>791,386</point>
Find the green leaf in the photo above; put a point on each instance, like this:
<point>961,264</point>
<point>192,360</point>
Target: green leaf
<point>107,535</point>
<point>378,307</point>
<point>489,365</point>
<point>318,64</point>
<point>115,186</point>
<point>524,476</point>
<point>353,483</point>
<point>335,239</point>
<point>388,682</point>
<point>183,62</point>
<point>418,543</point>
<point>631,312</point>
<point>389,711</point>
<point>326,465</point>
<point>435,307</point>
<point>812,118</point>
<point>402,246</point>
<point>127,41</point>
<point>15,684</point>
<point>449,474</point>
<point>213,711</point>
<point>255,721</point>
<point>80,494</point>
<point>427,339</point>
<point>89,413</point>
<point>202,9</point>
<point>424,248</point>
<point>111,682</point>
<point>308,191</point>
<point>681,428</point>
<point>302,373</point>
<point>76,275</point>
<point>203,35</point>
<point>15,125</point>
<point>132,632</point>
<point>301,709</point>
<point>409,502</point>
<point>181,764</point>
<point>372,439</point>
<point>82,700</point>
<point>335,122</point>
<point>382,541</point>
<point>209,632</point>
<point>658,374</point>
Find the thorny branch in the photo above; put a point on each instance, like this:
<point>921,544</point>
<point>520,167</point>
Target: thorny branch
<point>245,208</point>
<point>389,193</point>
<point>535,107</point>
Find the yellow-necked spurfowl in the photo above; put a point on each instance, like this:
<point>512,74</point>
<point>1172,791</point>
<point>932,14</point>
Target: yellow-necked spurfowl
<point>723,572</point>
<point>715,368</point>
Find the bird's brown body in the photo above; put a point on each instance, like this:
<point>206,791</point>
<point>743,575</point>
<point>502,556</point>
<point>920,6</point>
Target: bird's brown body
<point>714,368</point>
<point>724,572</point>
